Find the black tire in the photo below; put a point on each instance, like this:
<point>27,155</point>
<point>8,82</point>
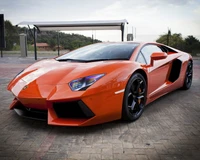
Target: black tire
<point>134,98</point>
<point>188,76</point>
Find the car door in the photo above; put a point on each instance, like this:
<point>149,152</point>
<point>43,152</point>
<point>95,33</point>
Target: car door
<point>158,72</point>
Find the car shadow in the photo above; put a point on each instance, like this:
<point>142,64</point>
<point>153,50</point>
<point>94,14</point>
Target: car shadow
<point>63,130</point>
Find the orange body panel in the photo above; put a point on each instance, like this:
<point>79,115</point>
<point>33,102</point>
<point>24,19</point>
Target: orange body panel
<point>46,82</point>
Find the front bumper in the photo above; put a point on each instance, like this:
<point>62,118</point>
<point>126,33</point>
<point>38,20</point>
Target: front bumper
<point>73,113</point>
<point>60,106</point>
<point>31,113</point>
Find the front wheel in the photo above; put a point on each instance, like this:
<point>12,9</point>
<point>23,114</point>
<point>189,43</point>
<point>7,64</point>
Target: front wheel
<point>134,98</point>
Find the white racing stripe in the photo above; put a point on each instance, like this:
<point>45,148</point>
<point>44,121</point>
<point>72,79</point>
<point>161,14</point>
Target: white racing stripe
<point>30,78</point>
<point>17,88</point>
<point>120,91</point>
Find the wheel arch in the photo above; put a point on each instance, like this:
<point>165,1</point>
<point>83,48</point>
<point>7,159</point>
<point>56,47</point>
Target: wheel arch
<point>143,73</point>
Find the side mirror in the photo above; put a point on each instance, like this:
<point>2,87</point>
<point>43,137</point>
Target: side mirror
<point>158,56</point>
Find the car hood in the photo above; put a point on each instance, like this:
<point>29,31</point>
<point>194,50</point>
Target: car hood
<point>52,72</point>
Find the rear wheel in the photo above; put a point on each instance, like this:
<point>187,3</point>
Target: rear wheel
<point>134,98</point>
<point>188,76</point>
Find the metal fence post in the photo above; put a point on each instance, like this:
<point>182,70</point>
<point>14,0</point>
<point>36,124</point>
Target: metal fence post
<point>35,47</point>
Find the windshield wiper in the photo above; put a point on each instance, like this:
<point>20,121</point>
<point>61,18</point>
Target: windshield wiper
<point>106,59</point>
<point>92,60</point>
<point>70,60</point>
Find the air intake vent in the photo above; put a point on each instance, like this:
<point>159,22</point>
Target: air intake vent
<point>175,70</point>
<point>75,109</point>
<point>31,113</point>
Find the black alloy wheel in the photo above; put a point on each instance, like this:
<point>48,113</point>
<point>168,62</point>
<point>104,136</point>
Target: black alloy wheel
<point>134,98</point>
<point>188,76</point>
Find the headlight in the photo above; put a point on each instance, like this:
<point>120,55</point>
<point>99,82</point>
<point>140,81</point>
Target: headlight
<point>83,83</point>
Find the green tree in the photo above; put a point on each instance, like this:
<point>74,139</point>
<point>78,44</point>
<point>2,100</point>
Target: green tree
<point>162,39</point>
<point>68,41</point>
<point>175,40</point>
<point>11,35</point>
<point>192,45</point>
<point>52,43</point>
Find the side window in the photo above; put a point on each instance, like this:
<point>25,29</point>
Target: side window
<point>141,59</point>
<point>148,50</point>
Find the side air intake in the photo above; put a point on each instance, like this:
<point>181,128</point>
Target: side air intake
<point>175,70</point>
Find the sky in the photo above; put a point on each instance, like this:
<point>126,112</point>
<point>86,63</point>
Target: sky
<point>150,18</point>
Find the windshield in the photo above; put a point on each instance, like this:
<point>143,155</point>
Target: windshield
<point>101,51</point>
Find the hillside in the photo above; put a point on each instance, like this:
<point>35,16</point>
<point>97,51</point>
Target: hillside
<point>67,41</point>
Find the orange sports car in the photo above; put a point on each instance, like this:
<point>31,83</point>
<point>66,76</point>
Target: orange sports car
<point>99,83</point>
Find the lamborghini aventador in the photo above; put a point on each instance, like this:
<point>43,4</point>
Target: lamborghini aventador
<point>99,83</point>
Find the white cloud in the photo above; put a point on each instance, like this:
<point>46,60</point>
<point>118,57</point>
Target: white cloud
<point>108,12</point>
<point>150,17</point>
<point>197,10</point>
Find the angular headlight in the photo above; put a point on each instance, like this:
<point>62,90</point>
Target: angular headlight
<point>82,84</point>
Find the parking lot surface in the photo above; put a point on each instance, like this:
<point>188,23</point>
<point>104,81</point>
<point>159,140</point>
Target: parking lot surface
<point>168,129</point>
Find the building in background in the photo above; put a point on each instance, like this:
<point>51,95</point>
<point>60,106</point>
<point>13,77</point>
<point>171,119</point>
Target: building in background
<point>43,46</point>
